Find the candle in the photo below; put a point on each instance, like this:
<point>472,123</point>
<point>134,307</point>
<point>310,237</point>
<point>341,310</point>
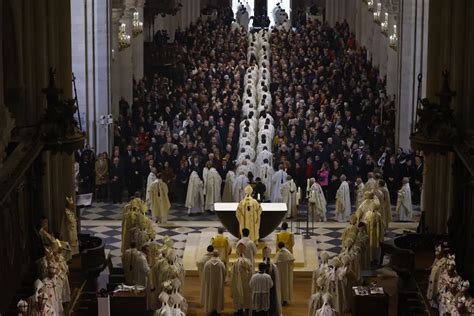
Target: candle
<point>258,196</point>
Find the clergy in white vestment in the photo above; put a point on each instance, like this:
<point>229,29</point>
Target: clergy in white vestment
<point>250,250</point>
<point>248,150</point>
<point>241,273</point>
<point>212,285</point>
<point>438,265</point>
<point>275,294</point>
<point>69,226</point>
<point>404,206</point>
<point>135,266</point>
<point>265,154</point>
<point>289,195</point>
<point>265,172</point>
<point>151,178</point>
<point>278,179</point>
<point>316,201</point>
<point>195,194</point>
<point>52,286</point>
<point>205,258</point>
<point>160,203</point>
<point>343,201</point>
<point>43,307</point>
<point>284,260</point>
<point>213,189</point>
<point>239,187</point>
<point>228,195</point>
<point>261,283</point>
<point>359,192</point>
<point>385,207</point>
<point>246,167</point>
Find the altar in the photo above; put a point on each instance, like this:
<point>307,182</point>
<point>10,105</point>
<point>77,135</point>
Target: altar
<point>272,216</point>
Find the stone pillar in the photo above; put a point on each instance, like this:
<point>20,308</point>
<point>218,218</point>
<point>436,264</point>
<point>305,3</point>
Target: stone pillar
<point>125,55</point>
<point>407,73</point>
<point>437,196</point>
<point>115,62</point>
<point>137,45</point>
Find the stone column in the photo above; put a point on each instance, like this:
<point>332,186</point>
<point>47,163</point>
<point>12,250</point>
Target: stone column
<point>437,195</point>
<point>125,55</point>
<point>115,62</point>
<point>137,45</point>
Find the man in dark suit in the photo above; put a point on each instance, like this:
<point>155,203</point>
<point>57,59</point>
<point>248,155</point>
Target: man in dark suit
<point>116,181</point>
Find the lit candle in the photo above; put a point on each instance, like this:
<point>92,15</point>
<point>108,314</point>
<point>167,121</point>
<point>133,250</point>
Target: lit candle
<point>258,196</point>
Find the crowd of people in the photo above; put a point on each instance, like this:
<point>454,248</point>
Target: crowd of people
<point>329,112</point>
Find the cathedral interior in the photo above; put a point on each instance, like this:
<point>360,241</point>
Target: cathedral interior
<point>100,100</point>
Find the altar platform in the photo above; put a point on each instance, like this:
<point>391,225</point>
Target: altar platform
<point>304,251</point>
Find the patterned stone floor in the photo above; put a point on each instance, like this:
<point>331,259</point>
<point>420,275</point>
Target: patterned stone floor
<point>104,221</point>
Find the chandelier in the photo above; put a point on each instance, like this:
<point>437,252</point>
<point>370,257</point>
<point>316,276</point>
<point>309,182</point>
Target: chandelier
<point>137,25</point>
<point>378,13</point>
<point>384,25</point>
<point>393,39</point>
<point>370,5</point>
<point>124,38</point>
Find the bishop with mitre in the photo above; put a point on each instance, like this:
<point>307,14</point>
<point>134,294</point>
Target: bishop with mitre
<point>248,214</point>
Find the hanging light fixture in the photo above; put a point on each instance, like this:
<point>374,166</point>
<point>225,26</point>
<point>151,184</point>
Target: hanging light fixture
<point>137,25</point>
<point>384,25</point>
<point>370,5</point>
<point>124,38</point>
<point>393,39</point>
<point>377,13</point>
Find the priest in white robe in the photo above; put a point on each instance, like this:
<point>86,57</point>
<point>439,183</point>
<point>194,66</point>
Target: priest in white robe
<point>212,285</point>
<point>241,273</point>
<point>343,201</point>
<point>151,178</point>
<point>289,195</point>
<point>316,201</point>
<point>265,154</point>
<point>385,207</point>
<point>205,258</point>
<point>404,206</point>
<point>213,189</point>
<point>239,187</point>
<point>195,194</point>
<point>135,266</point>
<point>261,283</point>
<point>265,172</point>
<point>278,179</point>
<point>228,194</point>
<point>250,250</point>
<point>160,203</point>
<point>284,260</point>
<point>359,192</point>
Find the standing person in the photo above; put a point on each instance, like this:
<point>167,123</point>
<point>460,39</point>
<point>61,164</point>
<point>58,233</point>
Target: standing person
<point>212,285</point>
<point>323,178</point>
<point>286,237</point>
<point>151,178</point>
<point>284,261</point>
<point>134,177</point>
<point>316,201</point>
<point>250,247</point>
<point>159,201</point>
<point>101,177</point>
<point>86,171</point>
<point>222,245</point>
<point>242,271</point>
<point>205,258</point>
<point>278,179</point>
<point>116,181</point>
<point>195,195</point>
<point>248,214</point>
<point>135,266</point>
<point>404,206</point>
<point>238,187</point>
<point>212,189</point>
<point>359,192</point>
<point>168,176</point>
<point>385,207</point>
<point>275,294</point>
<point>289,196</point>
<point>343,201</point>
<point>261,283</point>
